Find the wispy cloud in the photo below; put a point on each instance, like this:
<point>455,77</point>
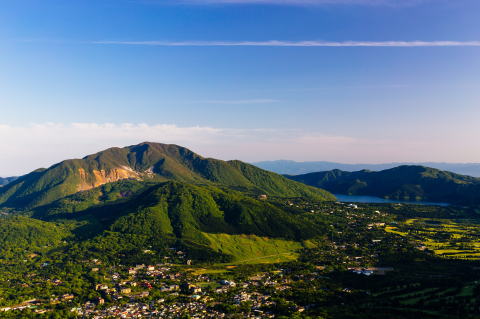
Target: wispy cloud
<point>277,43</point>
<point>293,2</point>
<point>238,102</point>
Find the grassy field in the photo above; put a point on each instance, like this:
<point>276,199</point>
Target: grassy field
<point>253,249</point>
<point>394,230</point>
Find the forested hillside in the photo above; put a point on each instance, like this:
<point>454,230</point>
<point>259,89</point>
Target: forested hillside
<point>403,182</point>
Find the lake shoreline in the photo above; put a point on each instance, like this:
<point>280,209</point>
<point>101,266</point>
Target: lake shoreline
<point>378,200</point>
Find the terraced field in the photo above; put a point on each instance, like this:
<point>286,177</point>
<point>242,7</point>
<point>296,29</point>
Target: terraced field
<point>458,239</point>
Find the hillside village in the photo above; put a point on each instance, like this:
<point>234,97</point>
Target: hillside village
<point>181,288</point>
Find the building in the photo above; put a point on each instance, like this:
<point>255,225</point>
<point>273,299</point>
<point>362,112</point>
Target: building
<point>125,290</point>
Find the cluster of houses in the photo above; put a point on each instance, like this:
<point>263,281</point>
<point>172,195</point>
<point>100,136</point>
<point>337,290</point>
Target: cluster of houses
<point>171,291</point>
<point>371,270</point>
<point>182,296</point>
<point>194,301</point>
<point>32,303</point>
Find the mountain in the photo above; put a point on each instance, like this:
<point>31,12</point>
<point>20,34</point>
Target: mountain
<point>199,218</point>
<point>207,222</point>
<point>403,182</point>
<point>5,180</point>
<point>146,162</point>
<point>176,209</point>
<point>296,168</point>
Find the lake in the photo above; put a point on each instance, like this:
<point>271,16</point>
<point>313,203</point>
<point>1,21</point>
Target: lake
<point>379,200</point>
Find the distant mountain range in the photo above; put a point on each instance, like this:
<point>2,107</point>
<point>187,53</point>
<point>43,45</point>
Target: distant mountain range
<point>404,182</point>
<point>295,168</point>
<point>5,180</point>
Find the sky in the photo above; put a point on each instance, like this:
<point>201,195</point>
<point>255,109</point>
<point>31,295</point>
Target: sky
<point>354,81</point>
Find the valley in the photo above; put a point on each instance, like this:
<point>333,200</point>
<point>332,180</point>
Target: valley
<point>304,280</point>
<point>201,238</point>
<point>239,159</point>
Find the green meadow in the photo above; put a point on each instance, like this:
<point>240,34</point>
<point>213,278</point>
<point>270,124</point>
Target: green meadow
<point>253,249</point>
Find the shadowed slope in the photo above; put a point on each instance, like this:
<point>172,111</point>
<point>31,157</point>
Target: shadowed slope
<point>403,182</point>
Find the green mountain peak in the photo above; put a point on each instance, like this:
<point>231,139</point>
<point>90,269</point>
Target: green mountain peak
<point>146,162</point>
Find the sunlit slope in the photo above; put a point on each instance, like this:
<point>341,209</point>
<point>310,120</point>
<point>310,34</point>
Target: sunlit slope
<point>146,162</point>
<point>21,235</point>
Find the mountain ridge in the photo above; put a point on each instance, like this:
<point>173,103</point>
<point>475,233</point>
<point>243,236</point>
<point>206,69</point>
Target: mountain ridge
<point>407,182</point>
<point>145,162</point>
<point>296,168</point>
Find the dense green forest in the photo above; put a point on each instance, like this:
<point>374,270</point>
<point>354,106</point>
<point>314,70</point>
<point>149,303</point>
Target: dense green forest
<point>173,213</point>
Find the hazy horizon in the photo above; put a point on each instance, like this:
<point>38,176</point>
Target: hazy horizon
<point>73,149</point>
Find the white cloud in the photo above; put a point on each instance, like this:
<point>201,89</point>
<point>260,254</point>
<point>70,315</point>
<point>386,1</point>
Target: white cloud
<point>277,43</point>
<point>25,148</point>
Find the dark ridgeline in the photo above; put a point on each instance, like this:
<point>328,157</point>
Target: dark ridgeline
<point>404,183</point>
<point>296,168</point>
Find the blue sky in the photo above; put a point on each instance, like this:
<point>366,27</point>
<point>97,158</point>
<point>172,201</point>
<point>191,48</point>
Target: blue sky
<point>78,76</point>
